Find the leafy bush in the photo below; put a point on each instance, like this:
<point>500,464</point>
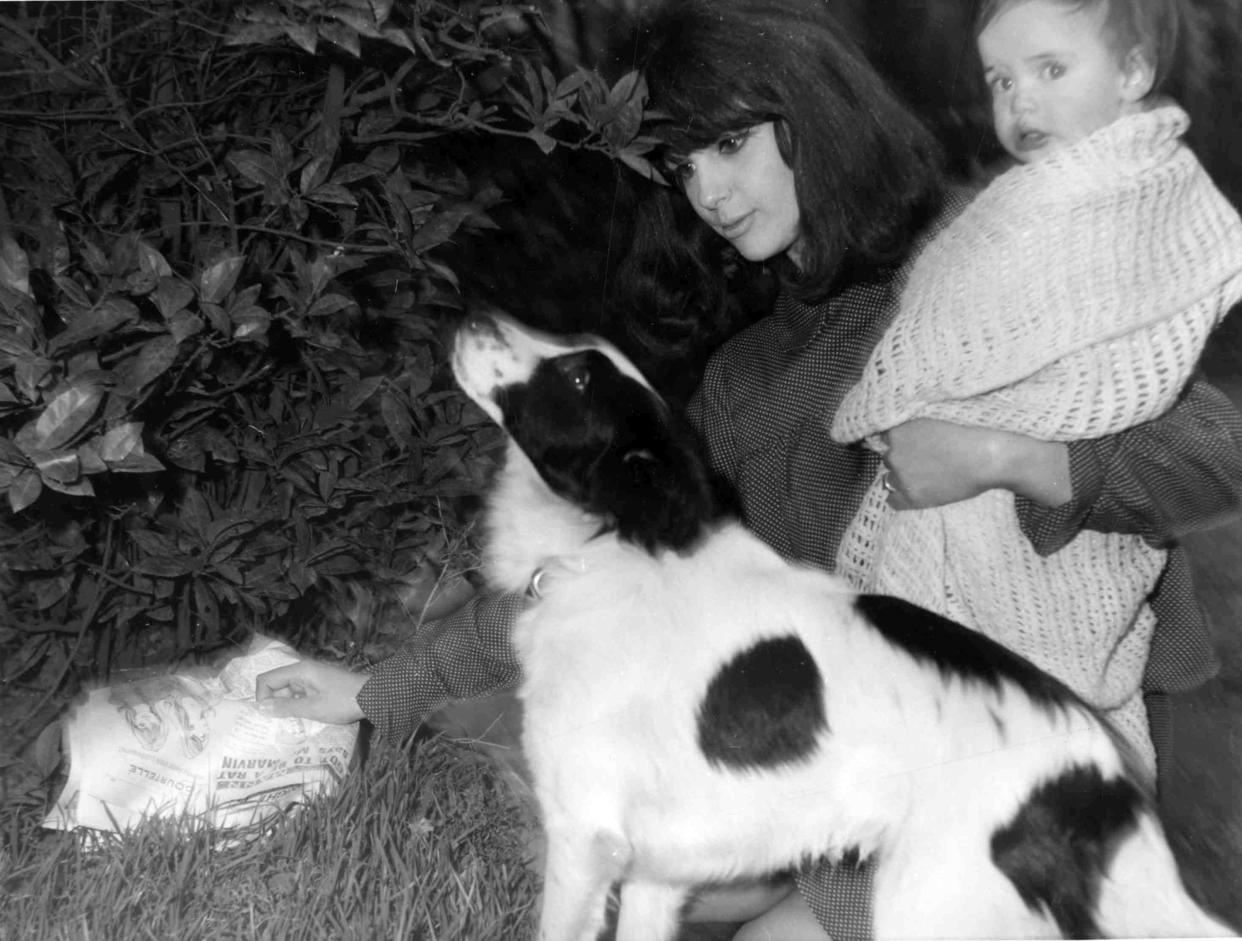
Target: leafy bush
<point>224,292</point>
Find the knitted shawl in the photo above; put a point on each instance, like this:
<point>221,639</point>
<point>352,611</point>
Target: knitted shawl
<point>1070,300</point>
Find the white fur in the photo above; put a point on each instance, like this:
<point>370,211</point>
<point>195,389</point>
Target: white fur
<point>913,767</point>
<point>527,526</point>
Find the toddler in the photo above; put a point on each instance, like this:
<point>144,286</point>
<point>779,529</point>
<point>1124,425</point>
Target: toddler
<point>1070,300</point>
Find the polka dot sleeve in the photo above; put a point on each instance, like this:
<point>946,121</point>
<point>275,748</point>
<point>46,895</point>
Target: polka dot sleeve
<point>467,654</point>
<point>1160,480</point>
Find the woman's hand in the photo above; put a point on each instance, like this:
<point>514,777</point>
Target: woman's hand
<point>932,463</point>
<point>311,689</point>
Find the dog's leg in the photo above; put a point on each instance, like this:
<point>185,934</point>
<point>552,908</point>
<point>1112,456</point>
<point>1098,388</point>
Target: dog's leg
<point>581,869</point>
<point>1142,895</point>
<point>649,911</point>
<point>951,892</point>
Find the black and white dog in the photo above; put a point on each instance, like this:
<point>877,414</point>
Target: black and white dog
<point>699,710</point>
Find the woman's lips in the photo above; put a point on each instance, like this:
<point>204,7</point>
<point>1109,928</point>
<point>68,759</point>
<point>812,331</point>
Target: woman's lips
<point>734,227</point>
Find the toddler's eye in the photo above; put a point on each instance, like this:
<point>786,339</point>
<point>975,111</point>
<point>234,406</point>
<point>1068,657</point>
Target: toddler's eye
<point>1054,70</point>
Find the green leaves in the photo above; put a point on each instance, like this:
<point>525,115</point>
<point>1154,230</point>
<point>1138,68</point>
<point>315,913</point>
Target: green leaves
<point>88,324</point>
<point>344,24</point>
<point>217,279</point>
<point>40,455</point>
<point>14,266</point>
<point>121,449</point>
<point>226,273</point>
<point>63,417</point>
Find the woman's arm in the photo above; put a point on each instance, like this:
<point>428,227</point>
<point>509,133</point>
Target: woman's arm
<point>931,462</point>
<point>1173,475</point>
<point>469,653</point>
<point>1177,474</point>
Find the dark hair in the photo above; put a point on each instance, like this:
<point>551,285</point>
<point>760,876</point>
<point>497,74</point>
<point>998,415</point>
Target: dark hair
<point>1153,26</point>
<point>679,290</point>
<point>867,172</point>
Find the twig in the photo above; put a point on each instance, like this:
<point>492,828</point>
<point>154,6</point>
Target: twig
<point>52,65</point>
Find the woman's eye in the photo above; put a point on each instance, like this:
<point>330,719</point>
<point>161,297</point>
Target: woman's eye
<point>681,172</point>
<point>1000,83</point>
<point>732,143</point>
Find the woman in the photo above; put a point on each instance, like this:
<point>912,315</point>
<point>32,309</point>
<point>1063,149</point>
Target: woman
<point>786,144</point>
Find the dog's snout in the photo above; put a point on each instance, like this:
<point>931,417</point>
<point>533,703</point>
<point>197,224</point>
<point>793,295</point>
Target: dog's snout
<point>483,356</point>
<point>481,325</point>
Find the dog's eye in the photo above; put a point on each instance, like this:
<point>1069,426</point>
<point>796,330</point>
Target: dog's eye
<point>579,377</point>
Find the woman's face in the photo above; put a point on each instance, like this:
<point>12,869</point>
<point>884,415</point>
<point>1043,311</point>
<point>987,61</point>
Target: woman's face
<point>742,187</point>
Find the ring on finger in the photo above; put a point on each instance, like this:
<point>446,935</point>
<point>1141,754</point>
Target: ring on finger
<point>887,484</point>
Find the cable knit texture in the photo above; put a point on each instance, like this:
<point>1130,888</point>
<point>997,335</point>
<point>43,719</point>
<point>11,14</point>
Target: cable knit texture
<point>1070,300</point>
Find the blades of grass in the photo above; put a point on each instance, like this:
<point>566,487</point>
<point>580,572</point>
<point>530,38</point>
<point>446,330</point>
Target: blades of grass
<point>418,845</point>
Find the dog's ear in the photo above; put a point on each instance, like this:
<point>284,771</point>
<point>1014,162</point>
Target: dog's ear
<point>605,442</point>
<point>657,496</point>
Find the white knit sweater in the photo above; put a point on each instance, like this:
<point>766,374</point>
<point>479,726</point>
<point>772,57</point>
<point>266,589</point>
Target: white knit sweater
<point>1070,300</point>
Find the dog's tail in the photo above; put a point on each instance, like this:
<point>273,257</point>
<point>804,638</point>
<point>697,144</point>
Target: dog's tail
<point>1142,894</point>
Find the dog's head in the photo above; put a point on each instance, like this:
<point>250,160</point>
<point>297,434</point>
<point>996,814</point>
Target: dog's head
<point>591,426</point>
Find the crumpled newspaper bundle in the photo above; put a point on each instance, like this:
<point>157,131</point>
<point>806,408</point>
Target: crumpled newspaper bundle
<point>193,745</point>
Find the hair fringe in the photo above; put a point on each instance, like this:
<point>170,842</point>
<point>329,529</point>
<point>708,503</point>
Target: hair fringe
<point>868,172</point>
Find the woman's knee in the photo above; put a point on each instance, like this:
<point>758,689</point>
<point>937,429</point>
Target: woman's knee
<point>791,919</point>
<point>737,902</point>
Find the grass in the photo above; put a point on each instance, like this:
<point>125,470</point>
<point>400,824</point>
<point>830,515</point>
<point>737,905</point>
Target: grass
<point>429,844</point>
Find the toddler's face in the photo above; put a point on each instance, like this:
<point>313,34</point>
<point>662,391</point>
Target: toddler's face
<point>1053,77</point>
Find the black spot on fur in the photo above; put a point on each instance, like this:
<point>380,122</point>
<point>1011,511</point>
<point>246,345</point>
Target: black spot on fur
<point>958,651</point>
<point>609,445</point>
<point>1059,843</point>
<point>764,708</point>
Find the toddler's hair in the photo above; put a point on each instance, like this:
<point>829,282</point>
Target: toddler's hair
<point>1153,26</point>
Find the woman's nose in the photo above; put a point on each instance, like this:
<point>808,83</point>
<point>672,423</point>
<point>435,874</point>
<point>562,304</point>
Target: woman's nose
<point>711,188</point>
<point>712,198</point>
